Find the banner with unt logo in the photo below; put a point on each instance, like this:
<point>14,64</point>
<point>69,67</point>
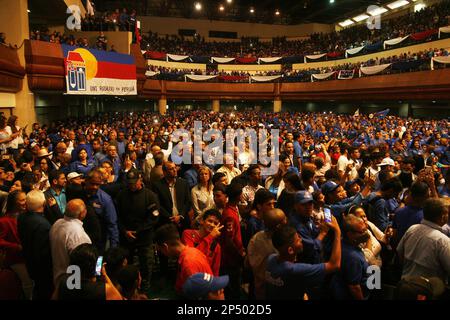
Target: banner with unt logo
<point>95,72</point>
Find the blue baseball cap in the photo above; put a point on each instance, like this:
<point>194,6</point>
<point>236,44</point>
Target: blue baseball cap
<point>200,284</point>
<point>329,187</point>
<point>303,197</point>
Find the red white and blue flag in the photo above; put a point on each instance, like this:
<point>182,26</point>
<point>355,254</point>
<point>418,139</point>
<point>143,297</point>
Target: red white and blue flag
<point>95,72</point>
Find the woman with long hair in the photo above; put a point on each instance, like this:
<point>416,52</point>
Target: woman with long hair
<point>202,193</point>
<point>275,183</point>
<point>372,248</point>
<point>10,241</point>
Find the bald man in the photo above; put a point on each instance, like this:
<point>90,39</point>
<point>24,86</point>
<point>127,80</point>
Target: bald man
<point>65,235</point>
<point>260,247</point>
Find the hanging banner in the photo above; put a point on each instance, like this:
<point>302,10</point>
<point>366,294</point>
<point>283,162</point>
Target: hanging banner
<point>150,73</point>
<point>246,60</point>
<point>176,57</point>
<point>444,30</point>
<point>445,60</point>
<point>156,55</point>
<point>374,46</point>
<point>264,78</point>
<point>314,57</point>
<point>321,76</point>
<point>221,60</point>
<point>346,74</point>
<point>96,72</point>
<point>374,69</point>
<point>393,42</point>
<point>199,77</point>
<point>353,51</point>
<point>423,35</point>
<point>269,60</point>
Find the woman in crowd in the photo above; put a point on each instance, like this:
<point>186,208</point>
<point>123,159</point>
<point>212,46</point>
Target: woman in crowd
<point>15,132</point>
<point>82,165</point>
<point>10,241</point>
<point>372,248</point>
<point>275,183</point>
<point>202,193</point>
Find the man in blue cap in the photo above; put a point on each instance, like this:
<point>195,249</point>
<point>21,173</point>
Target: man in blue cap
<point>301,219</point>
<point>336,196</point>
<point>205,286</point>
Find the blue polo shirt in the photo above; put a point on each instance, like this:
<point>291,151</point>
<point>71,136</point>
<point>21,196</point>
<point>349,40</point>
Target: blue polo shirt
<point>405,218</point>
<point>61,200</point>
<point>287,280</point>
<point>105,210</point>
<point>312,248</point>
<point>353,272</point>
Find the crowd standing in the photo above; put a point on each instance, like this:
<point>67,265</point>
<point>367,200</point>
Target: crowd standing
<point>112,186</point>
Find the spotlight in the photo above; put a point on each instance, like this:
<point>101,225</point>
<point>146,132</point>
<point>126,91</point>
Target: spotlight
<point>229,1</point>
<point>221,8</point>
<point>198,6</point>
<point>252,10</point>
<point>277,12</point>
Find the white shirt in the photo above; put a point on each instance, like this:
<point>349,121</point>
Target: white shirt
<point>65,235</point>
<point>14,144</point>
<point>230,174</point>
<point>426,251</point>
<point>201,199</point>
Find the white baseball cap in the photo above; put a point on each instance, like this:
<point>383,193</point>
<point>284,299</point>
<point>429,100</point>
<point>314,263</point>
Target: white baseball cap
<point>387,162</point>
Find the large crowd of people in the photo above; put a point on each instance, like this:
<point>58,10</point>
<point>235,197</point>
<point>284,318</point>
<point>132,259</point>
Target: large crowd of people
<point>429,18</point>
<point>407,62</point>
<point>348,192</point>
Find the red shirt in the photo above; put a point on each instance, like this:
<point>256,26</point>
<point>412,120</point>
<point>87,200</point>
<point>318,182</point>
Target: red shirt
<point>10,241</point>
<point>231,238</point>
<point>208,245</point>
<point>190,261</point>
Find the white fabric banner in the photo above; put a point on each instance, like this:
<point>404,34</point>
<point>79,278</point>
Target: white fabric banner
<point>176,57</point>
<point>395,41</point>
<point>151,73</point>
<point>199,77</point>
<point>444,30</point>
<point>353,51</point>
<point>314,57</point>
<point>321,76</point>
<point>346,74</point>
<point>373,69</point>
<point>221,60</point>
<point>445,60</point>
<point>269,60</point>
<point>264,78</point>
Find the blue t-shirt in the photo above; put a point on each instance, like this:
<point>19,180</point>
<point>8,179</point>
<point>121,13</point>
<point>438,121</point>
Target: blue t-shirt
<point>353,272</point>
<point>287,280</point>
<point>405,218</point>
<point>312,247</point>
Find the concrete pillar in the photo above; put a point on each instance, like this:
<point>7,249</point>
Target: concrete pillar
<point>162,103</point>
<point>216,105</point>
<point>277,104</point>
<point>14,22</point>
